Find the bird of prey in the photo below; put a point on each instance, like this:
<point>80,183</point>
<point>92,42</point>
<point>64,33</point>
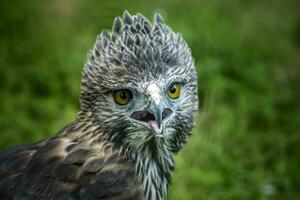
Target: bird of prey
<point>137,107</point>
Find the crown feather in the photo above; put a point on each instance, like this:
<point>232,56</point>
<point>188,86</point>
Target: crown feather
<point>136,45</point>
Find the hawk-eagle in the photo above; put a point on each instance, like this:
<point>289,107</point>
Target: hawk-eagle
<point>138,103</point>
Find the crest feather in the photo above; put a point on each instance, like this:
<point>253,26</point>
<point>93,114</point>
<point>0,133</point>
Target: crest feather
<point>137,46</point>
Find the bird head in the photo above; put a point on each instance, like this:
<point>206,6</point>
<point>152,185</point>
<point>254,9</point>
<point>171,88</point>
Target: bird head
<point>140,83</point>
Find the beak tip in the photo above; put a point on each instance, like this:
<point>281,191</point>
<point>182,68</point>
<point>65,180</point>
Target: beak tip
<point>156,127</point>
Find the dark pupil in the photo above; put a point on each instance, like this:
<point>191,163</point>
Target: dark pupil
<point>173,89</point>
<point>123,95</point>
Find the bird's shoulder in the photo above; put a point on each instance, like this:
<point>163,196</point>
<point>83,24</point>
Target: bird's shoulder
<point>63,168</point>
<point>14,160</point>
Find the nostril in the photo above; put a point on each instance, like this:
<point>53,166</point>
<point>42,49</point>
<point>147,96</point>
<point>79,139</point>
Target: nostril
<point>166,113</point>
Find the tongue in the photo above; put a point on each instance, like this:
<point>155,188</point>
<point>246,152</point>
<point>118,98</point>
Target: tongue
<point>153,124</point>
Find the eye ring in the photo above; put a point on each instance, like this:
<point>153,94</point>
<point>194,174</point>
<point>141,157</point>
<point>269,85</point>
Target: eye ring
<point>122,97</point>
<point>174,90</point>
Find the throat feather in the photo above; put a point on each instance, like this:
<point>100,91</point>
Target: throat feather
<point>154,172</point>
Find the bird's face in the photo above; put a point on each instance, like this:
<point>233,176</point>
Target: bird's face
<point>151,106</point>
<point>140,82</point>
<point>140,109</point>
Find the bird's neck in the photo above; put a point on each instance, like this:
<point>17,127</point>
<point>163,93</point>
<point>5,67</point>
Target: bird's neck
<point>154,165</point>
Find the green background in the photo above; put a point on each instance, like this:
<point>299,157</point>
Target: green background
<point>246,144</point>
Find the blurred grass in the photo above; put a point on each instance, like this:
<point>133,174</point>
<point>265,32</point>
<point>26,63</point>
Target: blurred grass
<point>246,143</point>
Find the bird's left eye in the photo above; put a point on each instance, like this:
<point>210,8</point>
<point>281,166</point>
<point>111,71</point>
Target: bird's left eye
<point>174,90</point>
<point>122,97</point>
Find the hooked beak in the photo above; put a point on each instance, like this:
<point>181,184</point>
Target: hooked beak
<point>154,118</point>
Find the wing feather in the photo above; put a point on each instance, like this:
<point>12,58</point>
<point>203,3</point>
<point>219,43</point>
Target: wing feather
<point>60,169</point>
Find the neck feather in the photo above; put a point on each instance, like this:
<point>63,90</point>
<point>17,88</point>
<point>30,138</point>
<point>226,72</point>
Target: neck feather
<point>153,165</point>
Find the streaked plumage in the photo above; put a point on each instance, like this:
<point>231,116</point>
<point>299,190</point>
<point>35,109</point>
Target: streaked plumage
<point>114,151</point>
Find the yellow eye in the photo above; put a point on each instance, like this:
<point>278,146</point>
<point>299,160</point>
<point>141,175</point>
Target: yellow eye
<point>122,97</point>
<point>174,90</point>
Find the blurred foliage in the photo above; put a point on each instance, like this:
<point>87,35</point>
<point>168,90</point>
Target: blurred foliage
<point>246,144</point>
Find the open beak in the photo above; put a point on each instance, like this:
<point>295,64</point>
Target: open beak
<point>153,118</point>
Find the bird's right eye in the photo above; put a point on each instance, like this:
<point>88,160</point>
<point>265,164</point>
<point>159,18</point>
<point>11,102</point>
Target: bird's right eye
<point>122,97</point>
